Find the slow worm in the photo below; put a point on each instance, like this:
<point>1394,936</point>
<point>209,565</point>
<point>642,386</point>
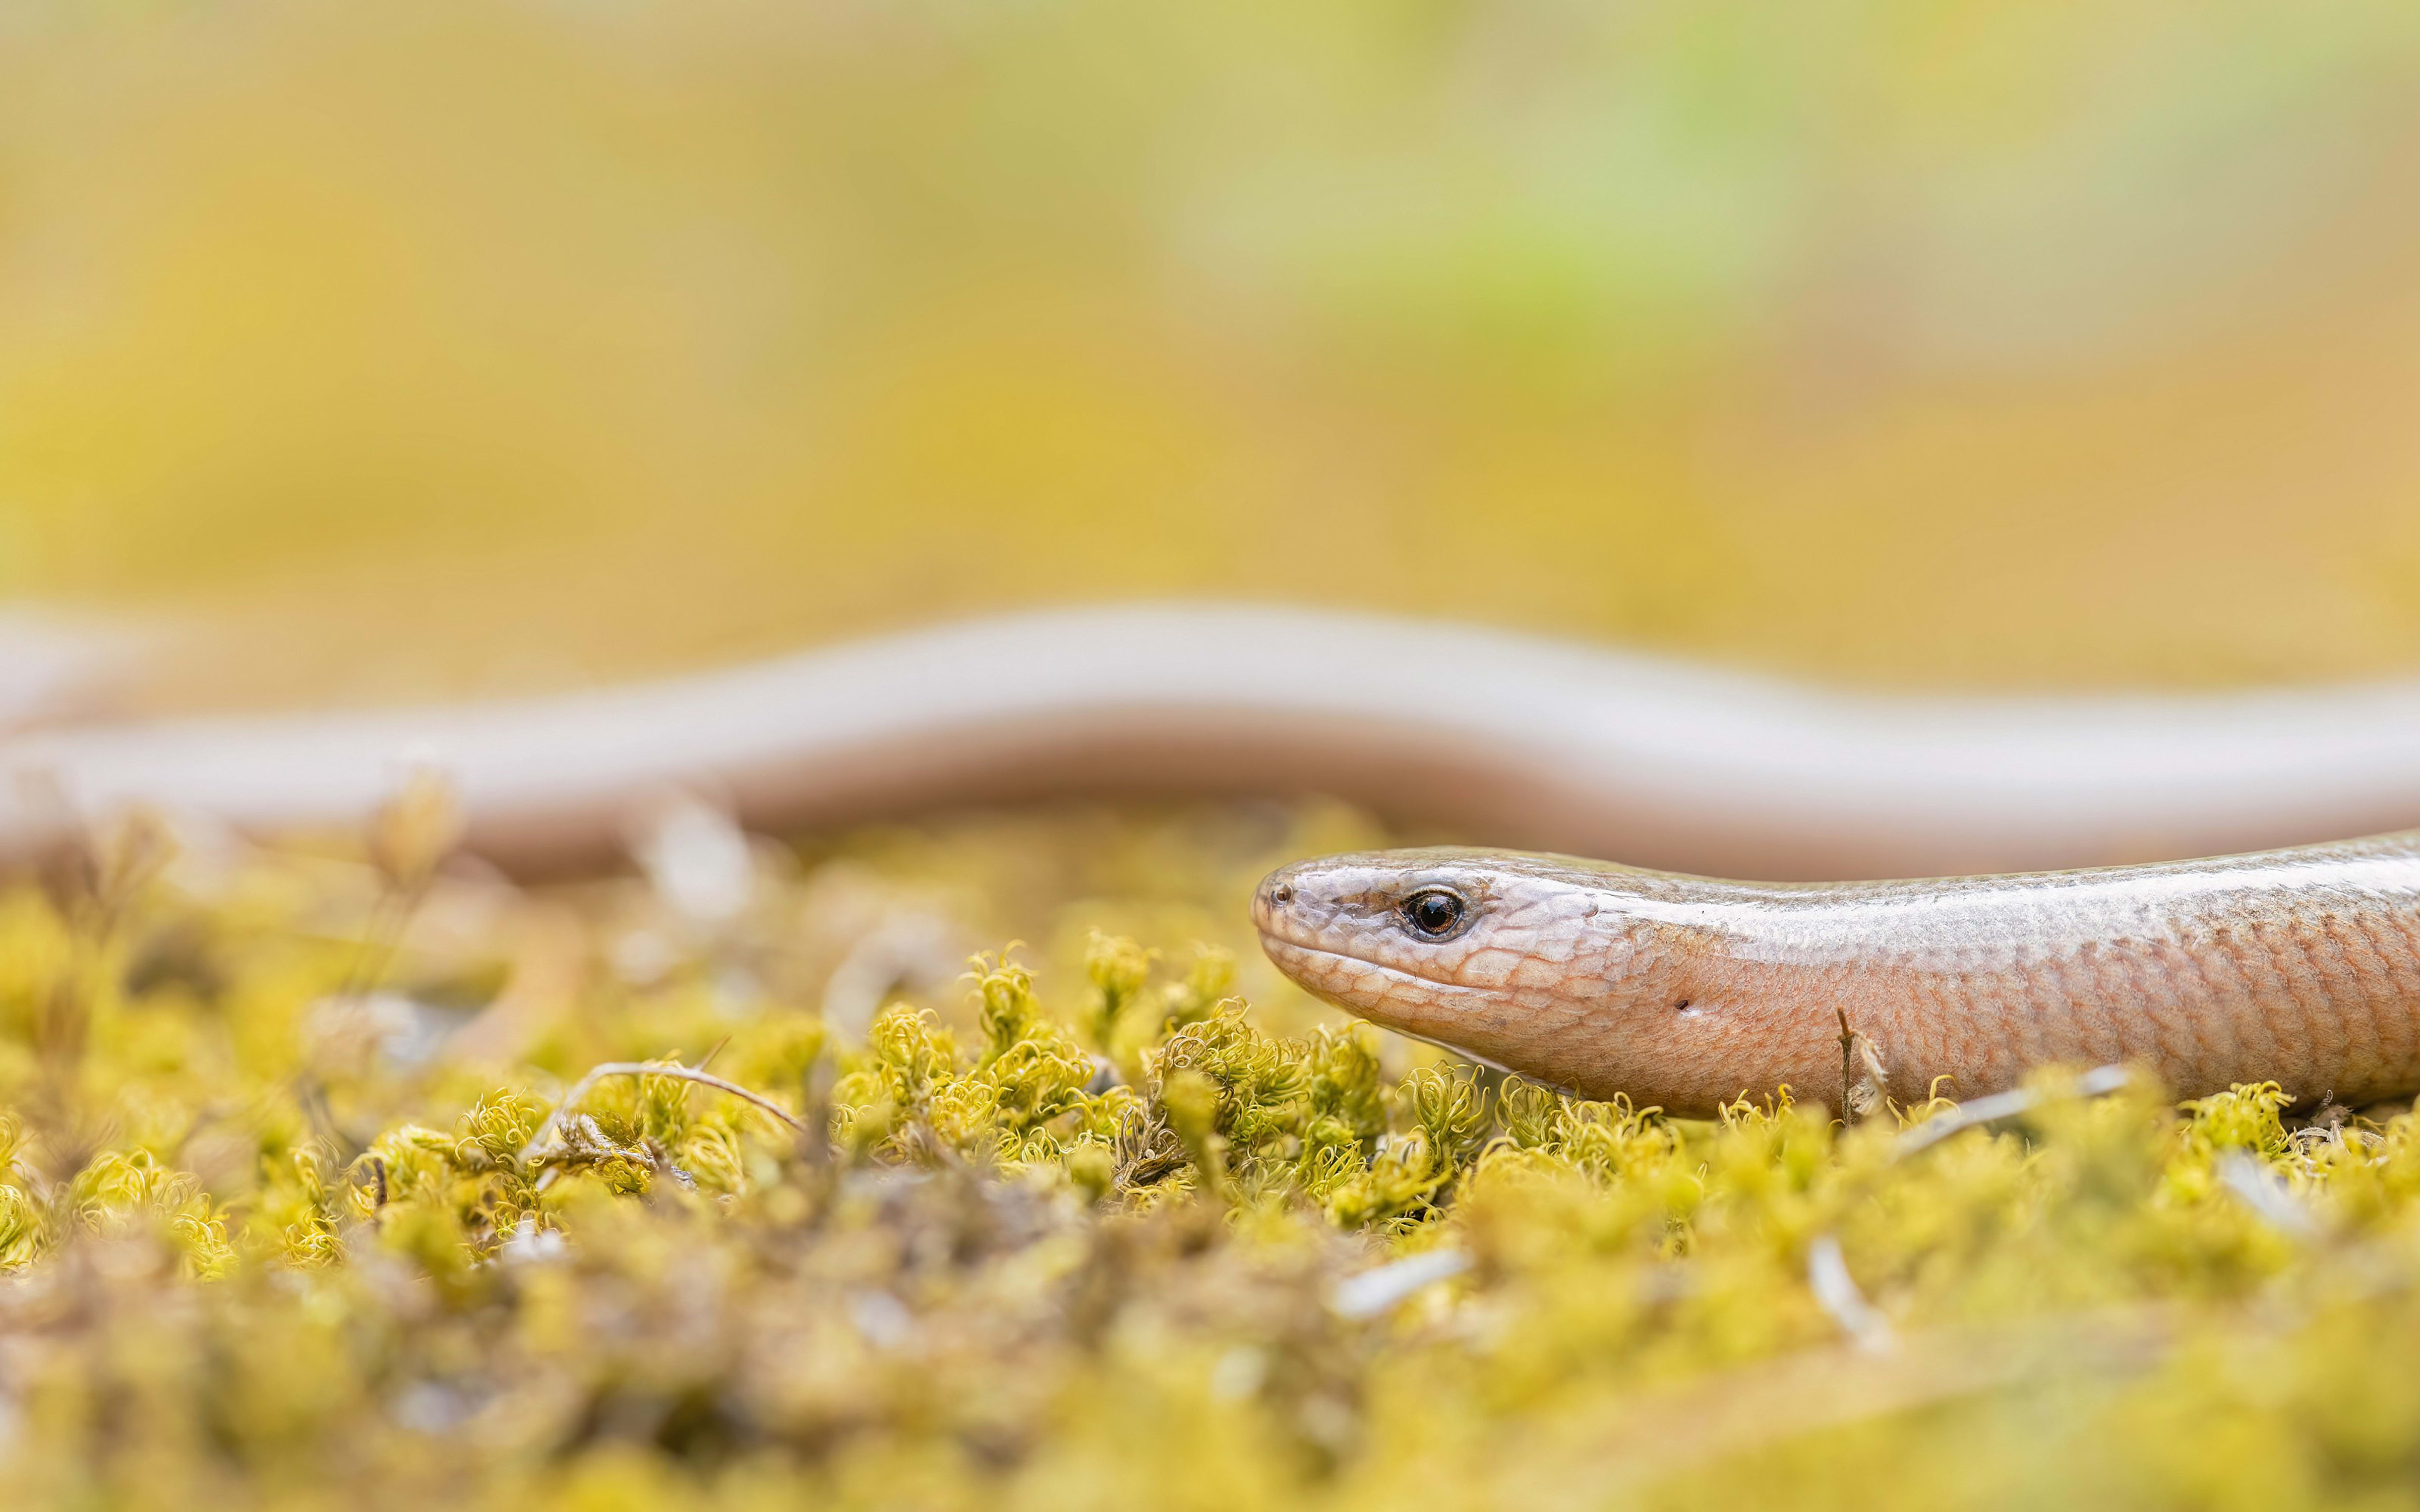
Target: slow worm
<point>2297,965</point>
<point>2302,965</point>
<point>1488,735</point>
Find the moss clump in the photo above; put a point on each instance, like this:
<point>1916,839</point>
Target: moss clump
<point>294,1214</point>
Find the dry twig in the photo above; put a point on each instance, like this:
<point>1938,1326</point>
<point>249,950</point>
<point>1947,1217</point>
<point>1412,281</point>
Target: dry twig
<point>546,1132</point>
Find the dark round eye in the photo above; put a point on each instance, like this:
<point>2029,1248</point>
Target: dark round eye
<point>1434,913</point>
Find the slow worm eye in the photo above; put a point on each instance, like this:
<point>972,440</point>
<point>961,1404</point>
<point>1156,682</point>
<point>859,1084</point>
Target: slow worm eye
<point>1434,913</point>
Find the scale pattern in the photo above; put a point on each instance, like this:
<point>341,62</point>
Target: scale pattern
<point>2301,967</point>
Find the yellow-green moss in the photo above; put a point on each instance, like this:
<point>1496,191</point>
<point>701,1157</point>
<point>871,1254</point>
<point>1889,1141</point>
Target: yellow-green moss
<point>289,1218</point>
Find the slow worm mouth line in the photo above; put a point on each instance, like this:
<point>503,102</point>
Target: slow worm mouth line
<point>1268,940</point>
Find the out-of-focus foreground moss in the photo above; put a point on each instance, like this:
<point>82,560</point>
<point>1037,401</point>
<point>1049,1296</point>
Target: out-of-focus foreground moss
<point>292,1218</point>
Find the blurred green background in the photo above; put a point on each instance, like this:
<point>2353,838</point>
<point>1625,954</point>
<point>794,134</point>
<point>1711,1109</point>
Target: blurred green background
<point>384,352</point>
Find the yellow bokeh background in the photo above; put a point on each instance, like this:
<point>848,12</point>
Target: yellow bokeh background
<point>375,353</point>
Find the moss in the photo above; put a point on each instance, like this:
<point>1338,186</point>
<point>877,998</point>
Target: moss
<point>1115,1252</point>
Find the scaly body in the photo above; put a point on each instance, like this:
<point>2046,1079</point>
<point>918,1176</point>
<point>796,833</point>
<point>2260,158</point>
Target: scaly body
<point>2299,966</point>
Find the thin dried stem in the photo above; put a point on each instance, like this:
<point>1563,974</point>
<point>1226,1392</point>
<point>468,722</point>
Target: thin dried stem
<point>638,1068</point>
<point>2099,1082</point>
